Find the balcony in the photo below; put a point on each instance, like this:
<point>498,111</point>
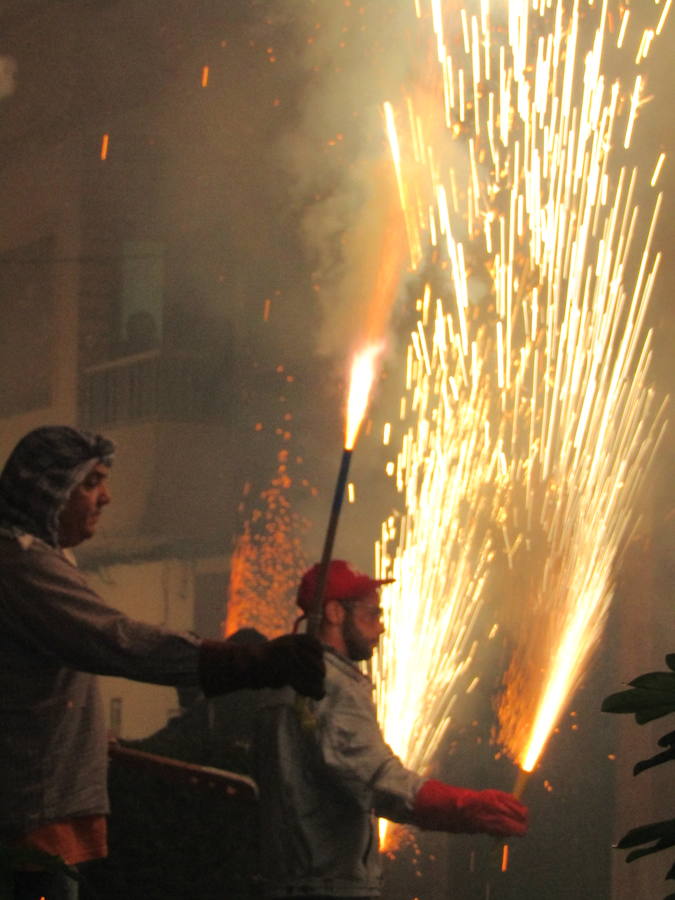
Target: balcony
<point>151,386</point>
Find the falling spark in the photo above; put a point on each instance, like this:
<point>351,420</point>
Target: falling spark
<point>634,103</point>
<point>527,423</point>
<point>657,169</point>
<point>662,20</point>
<point>622,30</point>
<point>105,140</point>
<point>205,76</point>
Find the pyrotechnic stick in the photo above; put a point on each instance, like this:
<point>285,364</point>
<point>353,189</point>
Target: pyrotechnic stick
<point>314,617</point>
<point>521,783</point>
<point>518,790</point>
<point>362,375</point>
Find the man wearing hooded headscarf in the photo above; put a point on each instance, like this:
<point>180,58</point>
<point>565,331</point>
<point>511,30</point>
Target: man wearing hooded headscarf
<point>56,635</point>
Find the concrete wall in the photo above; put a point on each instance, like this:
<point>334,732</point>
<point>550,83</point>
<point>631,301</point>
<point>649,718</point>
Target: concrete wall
<point>40,199</point>
<point>159,592</point>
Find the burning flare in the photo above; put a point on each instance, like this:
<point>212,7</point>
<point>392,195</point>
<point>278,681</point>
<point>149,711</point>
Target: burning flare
<point>360,385</point>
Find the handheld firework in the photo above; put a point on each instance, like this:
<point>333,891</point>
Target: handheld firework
<point>360,384</point>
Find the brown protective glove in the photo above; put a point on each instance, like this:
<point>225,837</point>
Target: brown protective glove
<point>294,659</point>
<point>442,807</point>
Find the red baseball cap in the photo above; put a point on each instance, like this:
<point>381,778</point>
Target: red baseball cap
<point>342,583</point>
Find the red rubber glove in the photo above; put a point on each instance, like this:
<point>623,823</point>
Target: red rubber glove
<point>442,807</point>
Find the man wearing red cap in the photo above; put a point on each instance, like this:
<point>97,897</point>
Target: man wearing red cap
<point>325,778</point>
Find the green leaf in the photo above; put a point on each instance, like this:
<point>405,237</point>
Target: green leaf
<point>648,714</point>
<point>656,681</point>
<point>650,697</point>
<point>635,700</point>
<point>622,702</point>
<point>661,832</point>
<point>646,851</point>
<point>657,760</point>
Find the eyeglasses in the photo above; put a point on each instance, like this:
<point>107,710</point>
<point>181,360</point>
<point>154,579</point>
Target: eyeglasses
<point>374,613</point>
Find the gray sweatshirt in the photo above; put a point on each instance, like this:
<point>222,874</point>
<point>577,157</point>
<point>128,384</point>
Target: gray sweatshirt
<point>321,786</point>
<point>56,635</point>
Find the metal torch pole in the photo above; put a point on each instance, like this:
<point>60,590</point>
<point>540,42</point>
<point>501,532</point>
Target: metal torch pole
<point>521,783</point>
<point>316,611</point>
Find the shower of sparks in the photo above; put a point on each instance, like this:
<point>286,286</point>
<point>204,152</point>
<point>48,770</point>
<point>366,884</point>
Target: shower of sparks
<point>267,561</point>
<point>268,558</point>
<point>528,424</point>
<point>443,547</point>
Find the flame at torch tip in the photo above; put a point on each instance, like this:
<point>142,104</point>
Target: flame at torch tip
<point>360,385</point>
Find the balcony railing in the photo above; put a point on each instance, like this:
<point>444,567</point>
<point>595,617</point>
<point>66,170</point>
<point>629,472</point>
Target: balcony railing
<point>149,386</point>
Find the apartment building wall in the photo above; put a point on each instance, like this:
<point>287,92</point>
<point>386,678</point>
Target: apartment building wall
<point>84,245</point>
<point>39,249</point>
<point>181,594</point>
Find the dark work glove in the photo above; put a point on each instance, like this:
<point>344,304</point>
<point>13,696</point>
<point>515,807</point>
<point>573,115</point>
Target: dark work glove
<point>442,807</point>
<point>294,659</point>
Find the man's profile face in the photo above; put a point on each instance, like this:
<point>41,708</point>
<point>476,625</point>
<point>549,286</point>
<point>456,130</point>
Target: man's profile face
<point>362,626</point>
<point>79,517</point>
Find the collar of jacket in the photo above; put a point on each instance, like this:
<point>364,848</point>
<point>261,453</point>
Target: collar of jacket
<point>346,665</point>
<point>26,541</point>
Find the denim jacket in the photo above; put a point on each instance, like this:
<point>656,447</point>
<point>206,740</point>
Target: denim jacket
<point>55,636</point>
<point>322,784</point>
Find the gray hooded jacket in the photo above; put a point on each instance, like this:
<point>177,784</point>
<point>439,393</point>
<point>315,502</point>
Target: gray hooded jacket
<point>55,635</point>
<point>321,787</point>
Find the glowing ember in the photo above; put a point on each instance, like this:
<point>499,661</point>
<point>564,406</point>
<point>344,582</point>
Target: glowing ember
<point>528,424</point>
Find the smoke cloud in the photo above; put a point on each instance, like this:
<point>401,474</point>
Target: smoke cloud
<point>353,58</point>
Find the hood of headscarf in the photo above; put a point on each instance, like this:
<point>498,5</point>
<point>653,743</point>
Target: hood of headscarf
<point>41,472</point>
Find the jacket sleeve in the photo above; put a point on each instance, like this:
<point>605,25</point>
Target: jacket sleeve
<point>47,607</point>
<point>358,758</point>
